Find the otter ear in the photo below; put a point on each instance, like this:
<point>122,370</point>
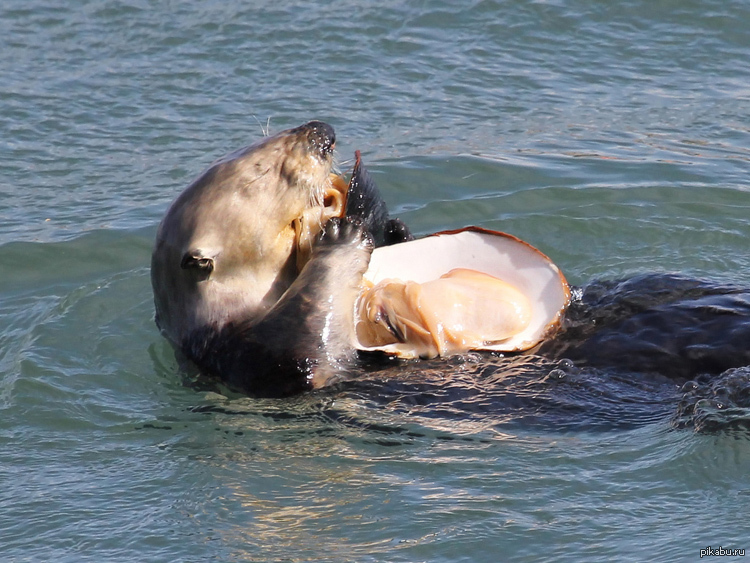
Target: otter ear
<point>197,260</point>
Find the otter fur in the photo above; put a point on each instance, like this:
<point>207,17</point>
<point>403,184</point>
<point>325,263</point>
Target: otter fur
<point>242,285</point>
<point>256,266</point>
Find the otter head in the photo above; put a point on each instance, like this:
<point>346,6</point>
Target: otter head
<point>236,238</point>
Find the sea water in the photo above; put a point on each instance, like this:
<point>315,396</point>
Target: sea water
<point>614,136</point>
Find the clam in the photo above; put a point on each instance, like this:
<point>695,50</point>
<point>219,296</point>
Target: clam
<point>455,291</point>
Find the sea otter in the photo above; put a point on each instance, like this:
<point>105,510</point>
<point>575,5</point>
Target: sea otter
<point>242,285</point>
<point>257,263</point>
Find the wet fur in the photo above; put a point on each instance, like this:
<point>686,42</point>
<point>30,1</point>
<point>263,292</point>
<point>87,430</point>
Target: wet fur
<point>227,290</point>
<point>224,249</point>
<point>301,342</point>
<point>285,335</point>
<point>660,324</point>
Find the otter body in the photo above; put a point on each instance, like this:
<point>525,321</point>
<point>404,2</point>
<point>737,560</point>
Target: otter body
<point>257,265</point>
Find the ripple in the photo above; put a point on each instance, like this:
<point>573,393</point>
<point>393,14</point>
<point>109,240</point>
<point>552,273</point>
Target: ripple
<point>612,136</point>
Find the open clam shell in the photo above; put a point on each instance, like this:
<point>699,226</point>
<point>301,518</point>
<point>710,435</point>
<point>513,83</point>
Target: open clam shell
<point>528,289</point>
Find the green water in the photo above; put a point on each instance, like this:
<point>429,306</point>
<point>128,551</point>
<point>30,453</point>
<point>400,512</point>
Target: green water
<point>613,136</point>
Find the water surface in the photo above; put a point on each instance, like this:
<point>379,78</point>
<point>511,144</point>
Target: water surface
<point>613,136</point>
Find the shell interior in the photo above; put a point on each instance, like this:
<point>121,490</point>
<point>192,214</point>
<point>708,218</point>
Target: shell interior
<point>529,276</point>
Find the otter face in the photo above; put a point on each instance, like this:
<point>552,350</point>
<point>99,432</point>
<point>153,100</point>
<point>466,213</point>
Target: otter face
<point>236,238</point>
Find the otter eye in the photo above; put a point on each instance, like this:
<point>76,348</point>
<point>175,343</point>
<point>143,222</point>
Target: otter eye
<point>197,261</point>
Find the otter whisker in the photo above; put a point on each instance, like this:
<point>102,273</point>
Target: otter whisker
<point>267,130</point>
<point>318,192</point>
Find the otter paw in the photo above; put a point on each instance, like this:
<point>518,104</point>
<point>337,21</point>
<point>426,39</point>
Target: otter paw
<point>396,231</point>
<point>346,231</point>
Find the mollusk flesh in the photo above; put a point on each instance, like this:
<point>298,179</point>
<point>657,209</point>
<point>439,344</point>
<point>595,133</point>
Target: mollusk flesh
<point>455,291</point>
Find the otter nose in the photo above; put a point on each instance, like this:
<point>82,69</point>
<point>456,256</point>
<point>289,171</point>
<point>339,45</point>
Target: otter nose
<point>322,137</point>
